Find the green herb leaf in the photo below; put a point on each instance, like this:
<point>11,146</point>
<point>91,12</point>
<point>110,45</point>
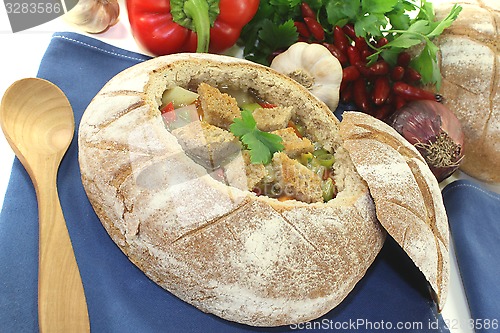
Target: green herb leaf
<point>370,24</point>
<point>339,12</point>
<point>426,64</point>
<point>378,6</point>
<point>282,35</point>
<point>262,145</point>
<point>446,22</point>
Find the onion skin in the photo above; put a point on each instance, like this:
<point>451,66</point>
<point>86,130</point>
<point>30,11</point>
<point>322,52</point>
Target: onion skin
<point>436,133</point>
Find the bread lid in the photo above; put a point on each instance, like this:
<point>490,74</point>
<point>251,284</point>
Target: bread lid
<point>407,197</point>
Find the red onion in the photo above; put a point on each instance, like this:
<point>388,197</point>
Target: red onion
<point>436,133</point>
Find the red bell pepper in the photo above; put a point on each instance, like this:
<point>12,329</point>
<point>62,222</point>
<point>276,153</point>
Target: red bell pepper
<point>165,27</point>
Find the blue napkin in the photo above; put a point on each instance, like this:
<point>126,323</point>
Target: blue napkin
<point>474,217</point>
<point>392,296</point>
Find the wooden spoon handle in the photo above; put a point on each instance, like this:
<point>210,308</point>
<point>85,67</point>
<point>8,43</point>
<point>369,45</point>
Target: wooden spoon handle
<point>61,299</point>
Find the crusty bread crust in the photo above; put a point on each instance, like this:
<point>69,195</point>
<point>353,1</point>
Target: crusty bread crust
<point>470,65</point>
<point>407,197</point>
<point>249,259</point>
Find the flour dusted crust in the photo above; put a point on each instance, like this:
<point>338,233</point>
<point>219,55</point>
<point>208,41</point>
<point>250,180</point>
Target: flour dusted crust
<point>407,196</point>
<point>470,65</point>
<point>248,259</point>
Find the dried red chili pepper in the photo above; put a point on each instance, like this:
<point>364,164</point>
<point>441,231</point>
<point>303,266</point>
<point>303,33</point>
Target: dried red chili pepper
<point>409,92</point>
<point>381,67</point>
<point>404,59</point>
<point>360,95</point>
<point>341,57</point>
<point>315,28</point>
<point>306,10</point>
<point>350,73</point>
<point>353,55</point>
<point>349,30</point>
<point>397,73</point>
<point>302,29</point>
<point>412,75</point>
<point>339,39</point>
<point>381,90</point>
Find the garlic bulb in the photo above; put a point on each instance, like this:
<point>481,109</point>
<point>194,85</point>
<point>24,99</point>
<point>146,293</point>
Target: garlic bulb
<point>313,66</point>
<point>94,16</point>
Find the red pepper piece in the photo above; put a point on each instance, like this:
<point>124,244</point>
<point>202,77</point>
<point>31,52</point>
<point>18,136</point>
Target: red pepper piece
<point>168,114</point>
<point>158,31</point>
<point>381,67</point>
<point>167,108</point>
<point>381,90</point>
<point>341,57</point>
<point>315,28</point>
<point>350,73</point>
<point>306,10</point>
<point>292,125</point>
<point>397,73</point>
<point>339,38</point>
<point>409,92</point>
<point>360,95</point>
<point>404,59</point>
<point>266,105</point>
<point>302,29</point>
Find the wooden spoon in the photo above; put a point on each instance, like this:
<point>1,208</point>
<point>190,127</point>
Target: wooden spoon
<point>38,122</point>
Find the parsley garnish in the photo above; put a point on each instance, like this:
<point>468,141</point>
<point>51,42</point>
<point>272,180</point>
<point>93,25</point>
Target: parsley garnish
<point>262,145</point>
<point>421,30</point>
<point>272,28</point>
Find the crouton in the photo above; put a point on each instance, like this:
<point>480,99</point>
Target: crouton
<point>241,173</point>
<point>208,145</point>
<point>219,108</point>
<point>296,180</point>
<point>271,119</point>
<point>254,172</point>
<point>294,146</point>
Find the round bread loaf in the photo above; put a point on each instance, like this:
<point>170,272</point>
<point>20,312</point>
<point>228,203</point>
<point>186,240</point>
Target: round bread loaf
<point>470,65</point>
<point>246,258</point>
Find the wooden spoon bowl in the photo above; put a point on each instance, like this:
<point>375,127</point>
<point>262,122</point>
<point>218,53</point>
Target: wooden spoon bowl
<point>37,120</point>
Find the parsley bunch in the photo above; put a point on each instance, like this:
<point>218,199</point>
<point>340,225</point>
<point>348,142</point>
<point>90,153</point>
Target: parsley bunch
<point>262,145</point>
<point>271,29</point>
<point>405,23</point>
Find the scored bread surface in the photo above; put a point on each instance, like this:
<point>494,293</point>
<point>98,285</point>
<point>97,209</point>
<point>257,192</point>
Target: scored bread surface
<point>470,65</point>
<point>407,196</point>
<point>249,259</point>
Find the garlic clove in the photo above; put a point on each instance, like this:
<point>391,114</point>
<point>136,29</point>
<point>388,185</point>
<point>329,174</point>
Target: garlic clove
<point>94,16</point>
<point>313,66</point>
